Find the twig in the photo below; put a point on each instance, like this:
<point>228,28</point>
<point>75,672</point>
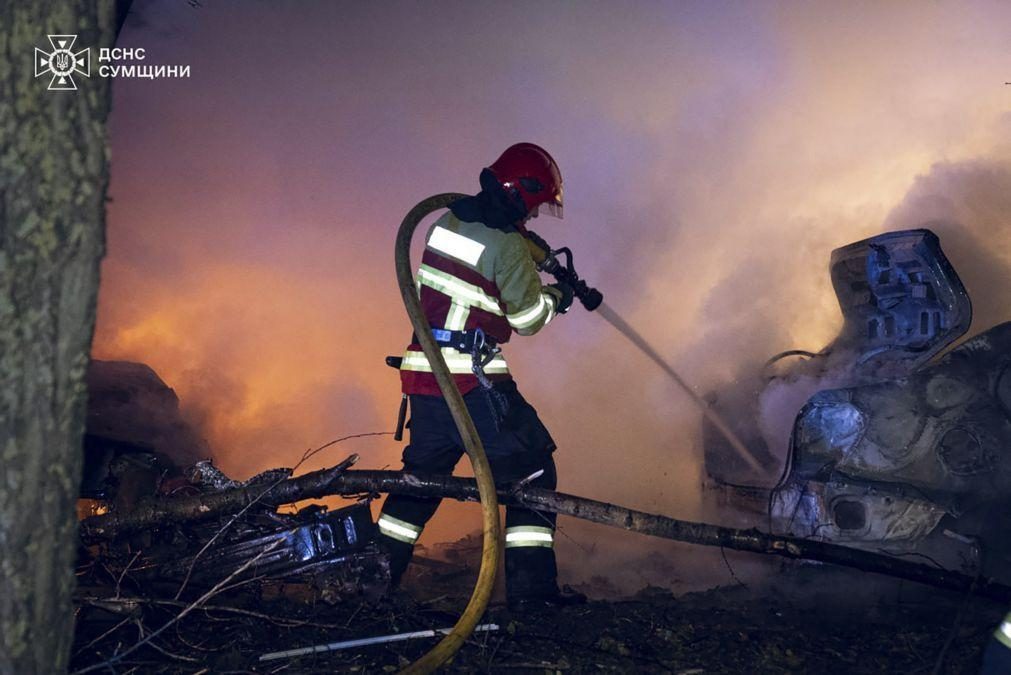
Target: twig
<point>126,569</point>
<point>523,482</point>
<point>194,605</point>
<point>354,615</point>
<point>723,552</point>
<point>152,643</point>
<point>309,453</point>
<point>243,582</point>
<point>104,635</point>
<point>198,648</point>
<point>287,623</point>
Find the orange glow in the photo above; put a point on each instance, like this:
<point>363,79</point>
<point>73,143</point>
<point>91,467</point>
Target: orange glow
<point>712,160</point>
<point>257,360</point>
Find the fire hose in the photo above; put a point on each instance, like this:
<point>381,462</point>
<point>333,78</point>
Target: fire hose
<point>491,546</point>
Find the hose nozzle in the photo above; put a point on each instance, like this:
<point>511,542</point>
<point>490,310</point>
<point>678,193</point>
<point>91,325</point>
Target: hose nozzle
<point>547,260</point>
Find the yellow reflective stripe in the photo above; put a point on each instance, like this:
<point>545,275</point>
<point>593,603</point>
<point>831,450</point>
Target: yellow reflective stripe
<point>529,535</point>
<point>1003,632</point>
<point>456,245</point>
<point>457,317</point>
<point>551,310</point>
<point>398,529</point>
<point>458,289</point>
<point>458,363</point>
<point>402,523</point>
<point>528,317</point>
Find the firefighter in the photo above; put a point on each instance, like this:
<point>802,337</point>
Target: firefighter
<point>477,285</point>
<point>997,655</point>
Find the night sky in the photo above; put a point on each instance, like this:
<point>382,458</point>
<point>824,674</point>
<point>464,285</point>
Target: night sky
<point>713,155</point>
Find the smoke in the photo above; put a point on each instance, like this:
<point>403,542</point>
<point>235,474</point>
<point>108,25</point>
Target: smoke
<point>713,155</point>
<point>968,205</point>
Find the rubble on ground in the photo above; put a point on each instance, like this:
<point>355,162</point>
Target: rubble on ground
<point>731,629</point>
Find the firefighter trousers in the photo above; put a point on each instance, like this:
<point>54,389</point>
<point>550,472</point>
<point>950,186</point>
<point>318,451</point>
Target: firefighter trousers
<point>517,446</point>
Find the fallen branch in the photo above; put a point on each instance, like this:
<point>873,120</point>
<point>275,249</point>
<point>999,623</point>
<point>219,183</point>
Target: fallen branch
<point>153,512</point>
<point>339,482</point>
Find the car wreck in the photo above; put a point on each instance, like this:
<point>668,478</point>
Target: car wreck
<point>895,449</point>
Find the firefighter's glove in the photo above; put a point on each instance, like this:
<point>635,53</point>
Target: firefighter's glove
<point>566,292</point>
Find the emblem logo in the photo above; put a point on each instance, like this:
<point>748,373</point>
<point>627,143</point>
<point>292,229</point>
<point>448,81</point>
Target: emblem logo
<point>62,63</point>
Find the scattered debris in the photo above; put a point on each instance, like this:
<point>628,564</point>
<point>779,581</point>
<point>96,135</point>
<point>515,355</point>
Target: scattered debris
<point>894,628</point>
<point>338,481</point>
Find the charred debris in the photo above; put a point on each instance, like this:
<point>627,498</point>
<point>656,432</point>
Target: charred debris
<point>895,465</point>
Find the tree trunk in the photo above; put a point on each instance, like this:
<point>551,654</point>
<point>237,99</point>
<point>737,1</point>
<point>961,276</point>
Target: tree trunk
<point>53,178</point>
<point>336,481</point>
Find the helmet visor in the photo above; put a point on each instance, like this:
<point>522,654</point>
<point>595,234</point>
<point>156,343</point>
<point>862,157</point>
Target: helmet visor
<point>554,206</point>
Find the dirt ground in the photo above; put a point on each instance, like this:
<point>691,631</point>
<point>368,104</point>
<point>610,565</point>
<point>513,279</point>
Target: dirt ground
<point>806,619</point>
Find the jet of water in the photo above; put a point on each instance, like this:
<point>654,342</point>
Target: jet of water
<point>633,336</point>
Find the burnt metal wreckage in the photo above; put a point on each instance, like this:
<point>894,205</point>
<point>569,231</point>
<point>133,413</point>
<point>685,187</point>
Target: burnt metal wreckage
<point>894,450</point>
<point>332,552</point>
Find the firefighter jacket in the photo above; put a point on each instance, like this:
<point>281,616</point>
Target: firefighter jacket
<point>475,276</point>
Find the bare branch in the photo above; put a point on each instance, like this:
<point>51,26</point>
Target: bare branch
<point>194,605</point>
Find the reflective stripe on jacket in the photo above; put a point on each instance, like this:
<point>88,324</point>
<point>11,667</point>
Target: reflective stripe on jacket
<point>473,276</point>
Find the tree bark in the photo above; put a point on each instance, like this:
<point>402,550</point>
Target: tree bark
<point>53,178</point>
<point>337,482</point>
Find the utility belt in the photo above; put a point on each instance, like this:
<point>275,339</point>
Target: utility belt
<point>482,349</point>
<point>466,341</point>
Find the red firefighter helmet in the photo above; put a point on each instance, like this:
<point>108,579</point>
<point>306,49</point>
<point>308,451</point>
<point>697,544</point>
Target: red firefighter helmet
<point>528,172</point>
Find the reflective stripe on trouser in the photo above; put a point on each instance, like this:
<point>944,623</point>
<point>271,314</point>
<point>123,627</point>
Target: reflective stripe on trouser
<point>997,653</point>
<point>531,570</point>
<point>398,529</point>
<point>529,535</point>
<point>1003,632</point>
<point>412,512</point>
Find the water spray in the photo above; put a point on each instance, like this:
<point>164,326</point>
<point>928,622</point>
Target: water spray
<point>547,260</point>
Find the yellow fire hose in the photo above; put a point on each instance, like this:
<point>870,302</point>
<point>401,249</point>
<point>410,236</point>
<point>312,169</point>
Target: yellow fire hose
<point>491,548</point>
